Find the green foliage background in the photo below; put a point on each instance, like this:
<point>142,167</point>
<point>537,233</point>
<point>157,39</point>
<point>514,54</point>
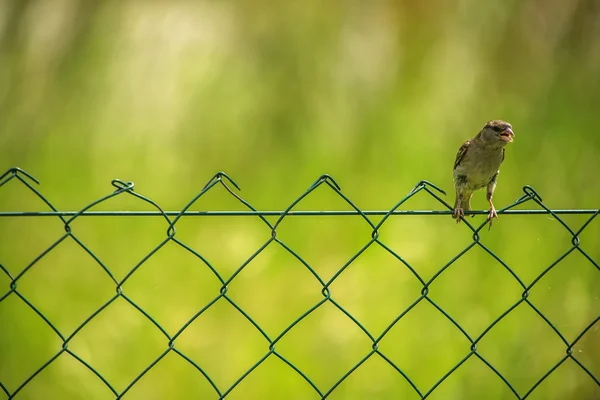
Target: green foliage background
<point>377,94</point>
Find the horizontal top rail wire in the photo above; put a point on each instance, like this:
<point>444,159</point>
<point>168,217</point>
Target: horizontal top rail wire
<point>172,217</point>
<point>271,213</point>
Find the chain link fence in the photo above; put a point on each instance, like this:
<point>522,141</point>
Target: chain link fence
<point>13,290</point>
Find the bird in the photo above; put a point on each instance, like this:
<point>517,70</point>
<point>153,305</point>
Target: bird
<point>477,166</point>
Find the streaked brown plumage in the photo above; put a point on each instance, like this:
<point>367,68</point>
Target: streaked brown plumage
<point>477,166</point>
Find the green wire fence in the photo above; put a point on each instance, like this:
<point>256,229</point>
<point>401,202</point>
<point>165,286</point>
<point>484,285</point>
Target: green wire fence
<point>270,345</point>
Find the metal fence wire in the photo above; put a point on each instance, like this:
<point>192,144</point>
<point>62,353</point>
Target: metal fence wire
<point>121,188</point>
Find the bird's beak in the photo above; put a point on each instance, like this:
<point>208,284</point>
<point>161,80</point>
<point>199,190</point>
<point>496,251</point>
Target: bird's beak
<point>507,135</point>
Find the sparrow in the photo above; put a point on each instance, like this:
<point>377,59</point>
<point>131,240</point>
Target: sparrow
<point>477,166</point>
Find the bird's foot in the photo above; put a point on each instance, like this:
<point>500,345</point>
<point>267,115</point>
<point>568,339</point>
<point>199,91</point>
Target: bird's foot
<point>492,215</point>
<point>458,214</point>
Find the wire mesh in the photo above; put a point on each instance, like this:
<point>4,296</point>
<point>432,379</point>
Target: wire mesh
<point>172,218</point>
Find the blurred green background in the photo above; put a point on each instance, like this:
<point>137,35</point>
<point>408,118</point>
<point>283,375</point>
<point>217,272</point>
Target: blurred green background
<point>378,94</point>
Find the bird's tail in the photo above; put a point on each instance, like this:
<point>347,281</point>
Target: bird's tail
<point>465,204</point>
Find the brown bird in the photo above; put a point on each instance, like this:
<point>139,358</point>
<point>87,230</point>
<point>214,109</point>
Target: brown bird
<point>477,166</point>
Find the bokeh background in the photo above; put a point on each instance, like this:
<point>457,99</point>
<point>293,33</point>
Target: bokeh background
<point>377,94</point>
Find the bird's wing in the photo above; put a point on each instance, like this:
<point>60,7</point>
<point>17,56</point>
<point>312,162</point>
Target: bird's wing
<point>461,153</point>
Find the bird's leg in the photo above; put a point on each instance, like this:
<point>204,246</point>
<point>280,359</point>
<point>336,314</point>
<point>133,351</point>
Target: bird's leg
<point>470,197</point>
<point>490,192</point>
<point>492,213</point>
<point>458,212</point>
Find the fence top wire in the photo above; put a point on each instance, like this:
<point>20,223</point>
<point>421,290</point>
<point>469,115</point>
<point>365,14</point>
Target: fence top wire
<point>171,217</point>
<point>273,213</point>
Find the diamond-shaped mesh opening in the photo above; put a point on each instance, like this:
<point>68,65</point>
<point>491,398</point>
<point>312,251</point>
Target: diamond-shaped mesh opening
<point>522,347</point>
<point>368,289</point>
<point>119,342</point>
<point>317,300</point>
<point>172,286</point>
<point>223,343</point>
<point>325,345</point>
<point>272,277</point>
<point>224,242</point>
<point>472,279</point>
<point>426,335</point>
<point>66,285</point>
<point>339,239</point>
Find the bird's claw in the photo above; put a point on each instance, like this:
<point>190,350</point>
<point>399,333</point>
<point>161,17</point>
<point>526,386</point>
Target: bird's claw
<point>458,214</point>
<point>493,214</point>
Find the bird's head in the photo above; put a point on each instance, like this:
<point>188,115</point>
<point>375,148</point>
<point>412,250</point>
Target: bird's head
<point>498,131</point>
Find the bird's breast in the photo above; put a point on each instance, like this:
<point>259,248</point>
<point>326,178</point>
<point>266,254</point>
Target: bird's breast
<point>478,169</point>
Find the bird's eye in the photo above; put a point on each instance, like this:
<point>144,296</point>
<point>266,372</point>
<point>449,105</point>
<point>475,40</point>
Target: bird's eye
<point>496,128</point>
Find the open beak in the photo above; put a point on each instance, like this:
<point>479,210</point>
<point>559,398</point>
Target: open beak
<point>507,135</point>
